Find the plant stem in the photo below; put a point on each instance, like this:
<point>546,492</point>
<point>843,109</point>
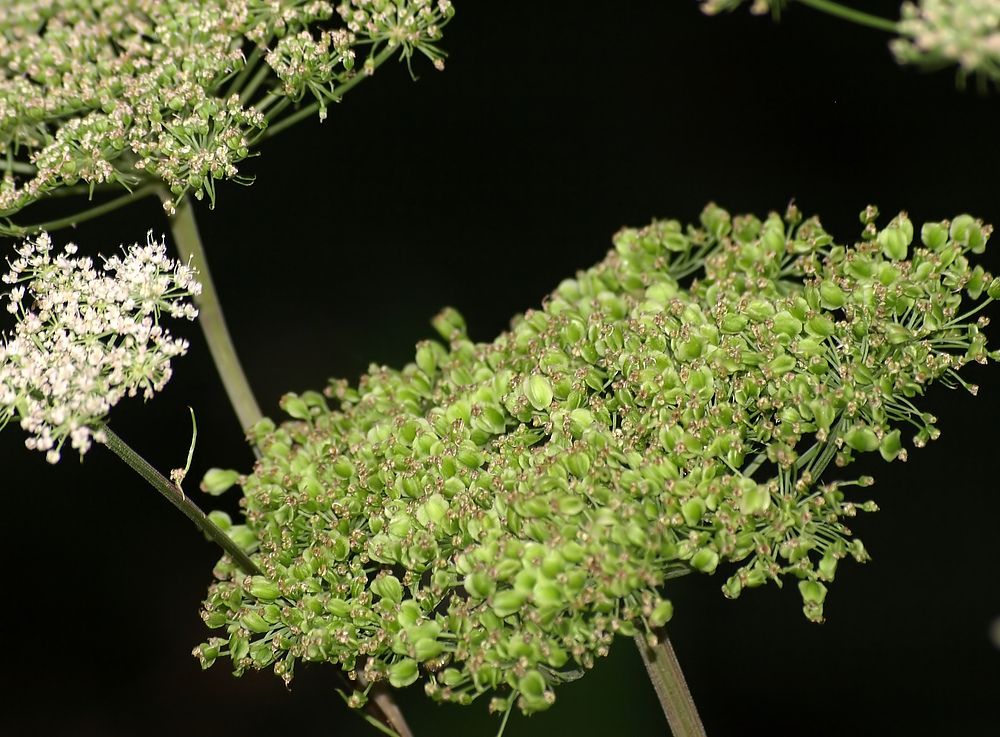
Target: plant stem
<point>668,679</point>
<point>213,323</point>
<point>19,231</point>
<point>176,496</point>
<point>855,16</point>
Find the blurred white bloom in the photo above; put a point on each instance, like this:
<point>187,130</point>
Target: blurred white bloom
<point>937,33</point>
<point>86,337</point>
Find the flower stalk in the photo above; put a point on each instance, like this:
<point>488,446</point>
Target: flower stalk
<point>184,229</point>
<point>176,496</point>
<point>850,14</point>
<point>671,687</point>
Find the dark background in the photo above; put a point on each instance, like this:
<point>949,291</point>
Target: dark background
<point>481,187</point>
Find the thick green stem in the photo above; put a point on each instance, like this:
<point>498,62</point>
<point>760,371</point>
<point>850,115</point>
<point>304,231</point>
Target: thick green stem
<point>176,496</point>
<point>213,323</point>
<point>671,688</point>
<point>855,16</point>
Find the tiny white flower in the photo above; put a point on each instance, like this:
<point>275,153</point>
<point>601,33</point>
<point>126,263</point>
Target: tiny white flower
<point>90,339</point>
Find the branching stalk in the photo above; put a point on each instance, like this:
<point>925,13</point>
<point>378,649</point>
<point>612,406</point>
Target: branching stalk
<point>176,496</point>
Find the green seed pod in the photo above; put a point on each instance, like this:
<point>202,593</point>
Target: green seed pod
<point>705,560</point>
<point>893,242</point>
<point>828,566</point>
<point>862,438</point>
<point>534,694</point>
<point>781,365</point>
<point>896,334</point>
<point>538,390</point>
<point>222,520</point>
<point>508,602</point>
<point>578,464</point>
<point>427,357</point>
<point>254,622</point>
<point>733,587</point>
<point>968,231</point>
<point>890,446</point>
<point>489,418</point>
<point>755,500</point>
<point>693,510</point>
<point>261,588</point>
<point>388,587</point>
<point>403,673</point>
<point>294,406</point>
<point>480,584</point>
<point>662,613</point>
<point>977,279</point>
<point>812,592</point>
<point>716,221</point>
<point>450,325</point>
<point>733,323</point>
<point>786,324</point>
<point>773,239</point>
<point>832,297</point>
<point>759,311</point>
<point>993,290</point>
<point>207,652</point>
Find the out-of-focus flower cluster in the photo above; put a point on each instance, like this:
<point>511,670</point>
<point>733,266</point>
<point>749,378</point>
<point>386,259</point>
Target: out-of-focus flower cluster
<point>932,33</point>
<point>939,33</point>
<point>492,515</point>
<point>109,92</point>
<point>86,337</point>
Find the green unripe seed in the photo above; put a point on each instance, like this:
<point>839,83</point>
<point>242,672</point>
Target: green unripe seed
<point>403,673</point>
<point>538,390</point>
<point>862,439</point>
<point>507,602</point>
<point>705,560</point>
<point>261,588</point>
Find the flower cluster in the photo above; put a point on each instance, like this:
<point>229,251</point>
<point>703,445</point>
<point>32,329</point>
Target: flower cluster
<point>86,337</point>
<point>492,515</point>
<point>932,33</point>
<point>938,33</point>
<point>102,93</point>
<point>758,7</point>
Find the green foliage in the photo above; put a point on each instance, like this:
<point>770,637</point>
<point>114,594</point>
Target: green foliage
<point>102,95</point>
<point>493,514</point>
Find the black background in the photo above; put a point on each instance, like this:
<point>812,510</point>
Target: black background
<point>481,187</point>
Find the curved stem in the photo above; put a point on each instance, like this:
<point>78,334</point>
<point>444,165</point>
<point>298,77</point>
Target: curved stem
<point>176,496</point>
<point>855,16</point>
<point>671,688</point>
<point>19,231</point>
<point>213,323</point>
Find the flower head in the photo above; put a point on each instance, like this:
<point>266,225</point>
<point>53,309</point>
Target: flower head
<point>492,515</point>
<point>173,92</point>
<point>86,336</point>
<point>937,33</point>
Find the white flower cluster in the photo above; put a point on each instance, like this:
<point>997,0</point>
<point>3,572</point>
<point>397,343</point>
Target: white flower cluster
<point>942,32</point>
<point>86,337</point>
